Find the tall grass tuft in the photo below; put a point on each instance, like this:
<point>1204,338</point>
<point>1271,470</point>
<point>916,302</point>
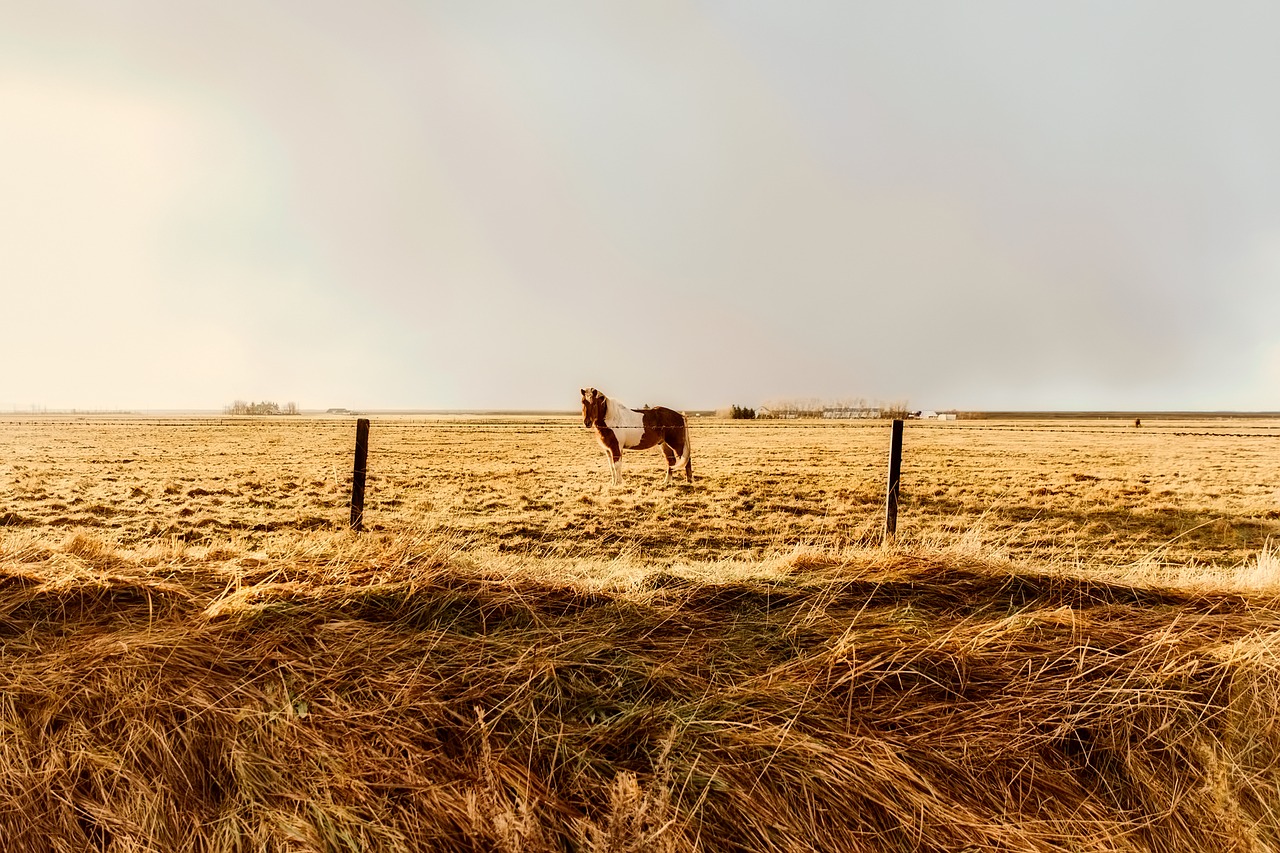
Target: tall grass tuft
<point>391,693</point>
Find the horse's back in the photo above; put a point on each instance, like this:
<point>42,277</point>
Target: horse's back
<point>661,416</point>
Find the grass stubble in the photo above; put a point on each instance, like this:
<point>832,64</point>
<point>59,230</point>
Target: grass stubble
<point>574,675</point>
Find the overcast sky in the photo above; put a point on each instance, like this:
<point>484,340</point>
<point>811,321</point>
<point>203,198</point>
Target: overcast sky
<point>472,204</point>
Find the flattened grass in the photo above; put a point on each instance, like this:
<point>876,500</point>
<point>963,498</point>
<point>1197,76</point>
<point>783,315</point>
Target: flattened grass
<point>389,692</point>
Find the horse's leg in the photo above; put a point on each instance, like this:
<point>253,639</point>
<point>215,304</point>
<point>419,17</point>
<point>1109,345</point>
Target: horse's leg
<point>608,459</point>
<point>612,452</point>
<point>670,453</point>
<point>679,444</point>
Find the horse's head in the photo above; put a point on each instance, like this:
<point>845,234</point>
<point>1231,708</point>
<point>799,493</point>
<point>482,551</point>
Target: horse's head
<point>593,406</point>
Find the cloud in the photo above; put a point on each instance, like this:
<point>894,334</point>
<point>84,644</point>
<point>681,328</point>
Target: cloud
<point>487,204</point>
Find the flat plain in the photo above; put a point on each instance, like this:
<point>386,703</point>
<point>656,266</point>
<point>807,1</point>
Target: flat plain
<point>1072,644</point>
<point>1101,492</point>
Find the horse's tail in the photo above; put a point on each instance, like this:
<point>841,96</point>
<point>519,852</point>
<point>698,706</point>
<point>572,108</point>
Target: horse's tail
<point>686,455</point>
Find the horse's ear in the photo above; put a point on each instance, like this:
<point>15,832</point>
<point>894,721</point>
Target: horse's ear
<point>583,392</point>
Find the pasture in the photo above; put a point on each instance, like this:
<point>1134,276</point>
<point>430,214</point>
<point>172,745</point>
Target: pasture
<point>1071,645</point>
<point>1096,493</point>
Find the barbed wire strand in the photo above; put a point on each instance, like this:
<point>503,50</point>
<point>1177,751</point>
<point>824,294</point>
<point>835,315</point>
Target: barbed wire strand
<point>481,426</point>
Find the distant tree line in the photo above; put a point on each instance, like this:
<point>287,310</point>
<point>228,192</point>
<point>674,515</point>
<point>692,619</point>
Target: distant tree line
<point>850,407</point>
<point>266,407</point>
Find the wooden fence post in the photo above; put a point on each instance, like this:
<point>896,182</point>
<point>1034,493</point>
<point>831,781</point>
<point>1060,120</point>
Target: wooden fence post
<point>358,474</point>
<point>895,476</point>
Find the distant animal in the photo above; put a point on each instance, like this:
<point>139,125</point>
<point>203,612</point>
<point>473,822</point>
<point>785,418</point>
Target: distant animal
<point>619,428</point>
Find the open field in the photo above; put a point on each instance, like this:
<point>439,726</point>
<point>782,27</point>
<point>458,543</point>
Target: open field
<point>1096,492</point>
<point>1073,645</point>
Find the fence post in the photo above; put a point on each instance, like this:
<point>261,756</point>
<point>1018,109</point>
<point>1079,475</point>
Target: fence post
<point>895,476</point>
<point>358,474</point>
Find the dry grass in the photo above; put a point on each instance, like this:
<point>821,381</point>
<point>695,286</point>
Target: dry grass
<point>195,656</point>
<point>1075,492</point>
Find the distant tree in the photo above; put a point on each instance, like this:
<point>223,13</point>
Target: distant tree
<point>846,407</point>
<point>265,407</point>
<point>896,411</point>
<point>742,413</point>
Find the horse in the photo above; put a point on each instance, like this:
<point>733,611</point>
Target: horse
<point>618,428</point>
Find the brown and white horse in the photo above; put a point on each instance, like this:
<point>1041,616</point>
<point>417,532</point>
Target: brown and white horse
<point>619,428</point>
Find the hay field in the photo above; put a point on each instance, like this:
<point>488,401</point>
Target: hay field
<point>1071,646</point>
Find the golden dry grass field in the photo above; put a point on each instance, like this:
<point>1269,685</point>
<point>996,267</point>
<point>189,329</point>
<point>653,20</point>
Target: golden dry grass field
<point>1072,644</point>
<point>1091,492</point>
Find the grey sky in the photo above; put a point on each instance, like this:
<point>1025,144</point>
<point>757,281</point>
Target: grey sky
<point>475,204</point>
